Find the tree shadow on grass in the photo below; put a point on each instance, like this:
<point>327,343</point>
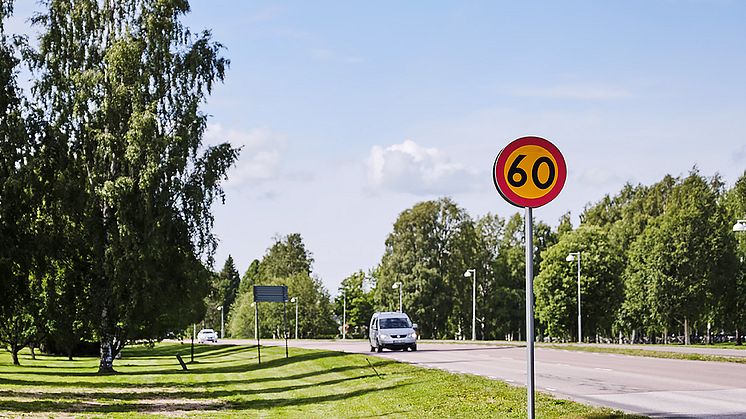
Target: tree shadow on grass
<point>235,365</point>
<point>187,384</point>
<point>169,351</point>
<point>166,395</point>
<point>46,406</point>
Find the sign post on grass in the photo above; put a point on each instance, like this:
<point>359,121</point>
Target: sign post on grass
<point>270,294</point>
<point>529,172</point>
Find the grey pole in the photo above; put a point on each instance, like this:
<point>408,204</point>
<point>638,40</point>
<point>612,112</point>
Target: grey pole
<point>530,312</point>
<point>222,322</point>
<point>344,314</point>
<point>580,324</point>
<point>285,324</point>
<point>256,332</point>
<point>474,305</point>
<point>256,322</point>
<point>296,317</point>
<point>400,310</point>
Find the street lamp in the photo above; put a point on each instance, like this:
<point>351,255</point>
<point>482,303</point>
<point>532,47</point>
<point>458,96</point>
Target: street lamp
<point>740,226</point>
<point>571,257</point>
<point>295,300</point>
<point>473,274</point>
<point>344,314</point>
<point>395,286</point>
<point>222,321</point>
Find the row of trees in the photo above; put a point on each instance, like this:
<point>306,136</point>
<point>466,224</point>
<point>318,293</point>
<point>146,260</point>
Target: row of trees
<point>656,260</point>
<point>287,262</point>
<point>105,186</point>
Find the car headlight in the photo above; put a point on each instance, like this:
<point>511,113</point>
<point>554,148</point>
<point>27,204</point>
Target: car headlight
<point>384,336</point>
<point>413,335</point>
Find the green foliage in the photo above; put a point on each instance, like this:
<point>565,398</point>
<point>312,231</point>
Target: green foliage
<point>428,251</point>
<point>20,250</point>
<point>359,305</point>
<point>679,262</point>
<point>121,84</point>
<point>600,284</point>
<point>287,262</point>
<point>223,291</point>
<point>730,298</point>
<point>287,256</point>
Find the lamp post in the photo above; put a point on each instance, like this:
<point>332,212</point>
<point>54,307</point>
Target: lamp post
<point>344,314</point>
<point>473,274</point>
<point>571,257</point>
<point>222,321</point>
<point>395,286</point>
<point>740,226</point>
<point>295,300</point>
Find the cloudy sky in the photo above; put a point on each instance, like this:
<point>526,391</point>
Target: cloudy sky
<point>351,112</point>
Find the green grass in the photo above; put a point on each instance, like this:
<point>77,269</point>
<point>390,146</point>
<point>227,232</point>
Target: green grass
<point>647,353</point>
<point>226,381</point>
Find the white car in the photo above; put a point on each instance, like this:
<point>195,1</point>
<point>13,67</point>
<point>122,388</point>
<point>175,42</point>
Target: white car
<point>392,330</point>
<point>207,335</point>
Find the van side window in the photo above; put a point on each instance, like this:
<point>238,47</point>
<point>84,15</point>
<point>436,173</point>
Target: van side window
<point>374,324</point>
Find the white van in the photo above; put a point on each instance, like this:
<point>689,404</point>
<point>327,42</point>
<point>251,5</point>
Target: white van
<point>392,330</point>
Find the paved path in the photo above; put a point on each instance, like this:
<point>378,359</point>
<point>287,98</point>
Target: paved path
<point>650,386</point>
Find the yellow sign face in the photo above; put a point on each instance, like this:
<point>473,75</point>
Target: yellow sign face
<point>531,171</point>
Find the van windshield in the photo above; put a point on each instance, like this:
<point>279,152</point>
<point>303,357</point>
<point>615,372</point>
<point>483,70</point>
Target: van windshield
<point>395,323</point>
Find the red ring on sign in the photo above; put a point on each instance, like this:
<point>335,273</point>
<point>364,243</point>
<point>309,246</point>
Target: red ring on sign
<point>498,169</point>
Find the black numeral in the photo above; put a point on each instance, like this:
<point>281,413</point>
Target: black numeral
<point>515,170</point>
<point>535,172</point>
<point>517,177</point>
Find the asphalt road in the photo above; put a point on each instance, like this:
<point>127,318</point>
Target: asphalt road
<point>650,386</point>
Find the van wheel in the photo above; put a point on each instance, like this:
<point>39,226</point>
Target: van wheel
<point>379,348</point>
<point>372,349</point>
<point>413,347</point>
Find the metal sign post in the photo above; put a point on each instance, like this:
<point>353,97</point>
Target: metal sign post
<point>529,172</point>
<point>256,331</point>
<point>285,325</point>
<point>530,311</point>
<point>271,294</point>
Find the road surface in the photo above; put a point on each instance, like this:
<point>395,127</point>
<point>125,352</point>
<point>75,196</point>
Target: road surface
<point>650,386</point>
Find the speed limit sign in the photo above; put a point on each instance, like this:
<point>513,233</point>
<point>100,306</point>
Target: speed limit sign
<point>529,172</point>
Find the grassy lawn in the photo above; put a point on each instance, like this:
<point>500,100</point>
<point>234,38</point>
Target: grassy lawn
<point>650,353</point>
<point>225,381</point>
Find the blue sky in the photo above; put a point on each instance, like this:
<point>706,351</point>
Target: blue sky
<point>351,112</point>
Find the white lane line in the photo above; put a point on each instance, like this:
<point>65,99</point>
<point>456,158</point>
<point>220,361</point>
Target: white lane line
<point>602,369</point>
<point>550,389</point>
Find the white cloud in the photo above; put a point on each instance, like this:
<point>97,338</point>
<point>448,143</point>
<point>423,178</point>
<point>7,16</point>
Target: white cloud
<point>411,168</point>
<point>577,92</point>
<point>260,157</point>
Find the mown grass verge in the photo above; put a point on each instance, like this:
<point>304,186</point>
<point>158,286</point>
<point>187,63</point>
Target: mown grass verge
<point>226,381</point>
<point>650,353</point>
